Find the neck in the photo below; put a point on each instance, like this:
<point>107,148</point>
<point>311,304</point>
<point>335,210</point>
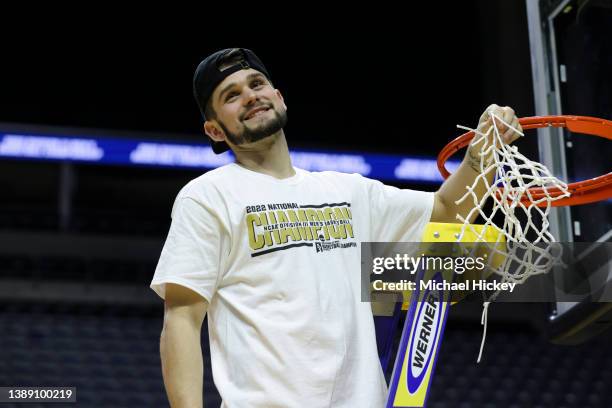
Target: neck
<point>268,156</point>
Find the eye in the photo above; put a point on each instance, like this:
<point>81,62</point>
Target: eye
<point>258,83</point>
<point>230,96</point>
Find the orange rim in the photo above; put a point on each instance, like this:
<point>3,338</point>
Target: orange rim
<point>581,192</point>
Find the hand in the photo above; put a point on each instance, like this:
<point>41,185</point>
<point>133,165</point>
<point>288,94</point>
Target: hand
<point>499,115</point>
<point>507,115</point>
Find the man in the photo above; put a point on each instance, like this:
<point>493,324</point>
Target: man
<point>271,253</point>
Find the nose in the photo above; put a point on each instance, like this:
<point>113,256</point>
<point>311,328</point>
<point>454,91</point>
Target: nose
<point>249,96</point>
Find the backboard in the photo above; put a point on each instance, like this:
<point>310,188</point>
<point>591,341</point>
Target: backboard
<point>571,58</point>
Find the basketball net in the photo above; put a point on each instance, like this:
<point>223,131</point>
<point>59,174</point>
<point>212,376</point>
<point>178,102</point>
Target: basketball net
<point>525,222</point>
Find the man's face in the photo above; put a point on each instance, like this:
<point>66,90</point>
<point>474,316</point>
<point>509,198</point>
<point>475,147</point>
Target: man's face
<point>248,108</point>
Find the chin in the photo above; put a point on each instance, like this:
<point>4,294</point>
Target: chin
<point>263,137</point>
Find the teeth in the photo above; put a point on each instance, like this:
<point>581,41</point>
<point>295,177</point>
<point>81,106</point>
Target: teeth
<point>257,113</point>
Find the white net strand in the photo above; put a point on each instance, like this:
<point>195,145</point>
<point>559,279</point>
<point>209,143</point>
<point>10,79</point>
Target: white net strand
<point>515,174</point>
<point>483,322</point>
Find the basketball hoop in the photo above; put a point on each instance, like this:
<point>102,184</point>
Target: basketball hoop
<point>581,192</point>
<point>523,189</point>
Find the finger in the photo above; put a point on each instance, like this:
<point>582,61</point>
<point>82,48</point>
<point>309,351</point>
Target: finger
<point>506,116</point>
<point>517,125</point>
<point>499,122</point>
<point>484,125</point>
<point>511,135</point>
<point>490,109</point>
<point>484,116</point>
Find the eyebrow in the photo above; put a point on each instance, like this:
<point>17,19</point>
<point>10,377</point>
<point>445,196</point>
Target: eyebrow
<point>233,84</point>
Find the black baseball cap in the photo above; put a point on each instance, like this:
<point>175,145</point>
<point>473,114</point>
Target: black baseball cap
<point>213,70</point>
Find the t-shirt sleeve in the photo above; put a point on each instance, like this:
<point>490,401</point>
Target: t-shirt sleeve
<point>398,215</point>
<point>193,250</point>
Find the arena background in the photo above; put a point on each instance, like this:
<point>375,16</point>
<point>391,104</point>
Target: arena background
<point>79,241</point>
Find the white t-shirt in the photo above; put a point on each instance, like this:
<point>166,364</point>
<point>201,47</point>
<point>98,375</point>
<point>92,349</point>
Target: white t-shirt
<point>279,262</point>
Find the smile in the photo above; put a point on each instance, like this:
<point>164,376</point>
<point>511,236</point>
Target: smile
<point>256,112</point>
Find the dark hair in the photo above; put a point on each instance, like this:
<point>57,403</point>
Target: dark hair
<point>209,111</point>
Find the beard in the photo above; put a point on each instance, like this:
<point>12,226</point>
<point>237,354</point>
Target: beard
<point>259,132</point>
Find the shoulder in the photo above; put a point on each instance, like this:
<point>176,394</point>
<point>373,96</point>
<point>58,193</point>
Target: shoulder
<point>204,191</point>
<point>207,185</point>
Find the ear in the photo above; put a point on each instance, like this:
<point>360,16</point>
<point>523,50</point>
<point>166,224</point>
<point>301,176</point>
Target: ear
<point>214,131</point>
<point>280,96</point>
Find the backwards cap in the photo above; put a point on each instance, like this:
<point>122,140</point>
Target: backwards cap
<point>213,70</point>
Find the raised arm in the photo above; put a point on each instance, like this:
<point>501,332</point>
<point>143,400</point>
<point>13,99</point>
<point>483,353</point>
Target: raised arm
<point>445,209</point>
